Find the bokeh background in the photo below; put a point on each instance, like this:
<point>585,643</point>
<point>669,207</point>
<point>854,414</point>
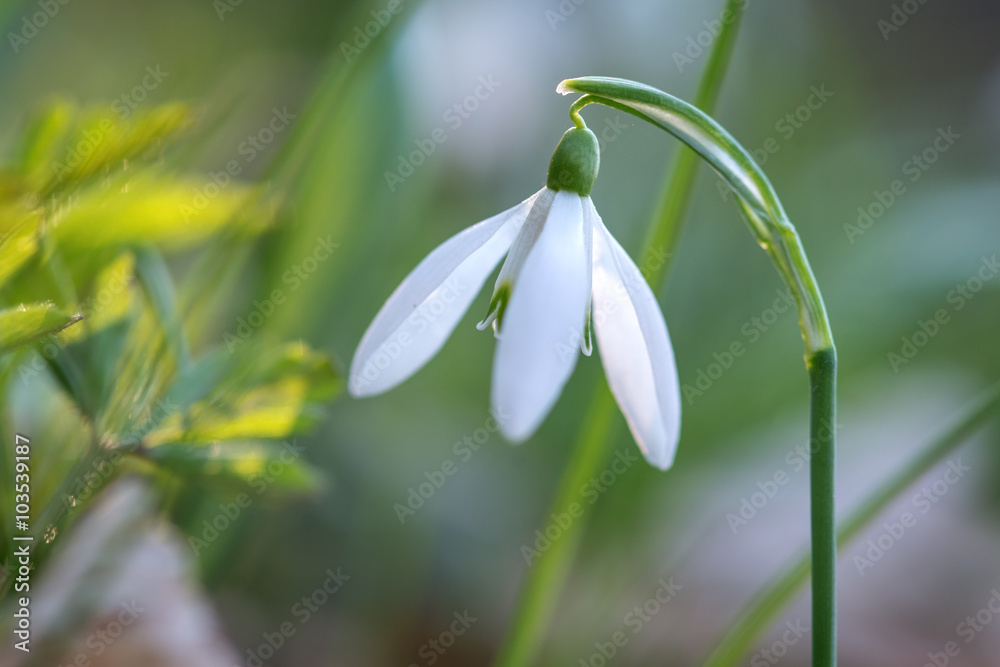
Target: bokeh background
<point>887,95</point>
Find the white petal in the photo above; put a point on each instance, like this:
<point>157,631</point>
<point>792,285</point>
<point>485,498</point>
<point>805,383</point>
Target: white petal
<point>586,344</point>
<point>540,336</point>
<point>423,311</point>
<point>635,348</point>
<point>526,238</point>
<point>518,254</point>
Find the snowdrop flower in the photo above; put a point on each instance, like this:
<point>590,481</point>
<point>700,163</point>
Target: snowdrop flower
<point>563,272</point>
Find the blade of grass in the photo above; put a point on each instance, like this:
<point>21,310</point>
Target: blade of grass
<point>763,610</point>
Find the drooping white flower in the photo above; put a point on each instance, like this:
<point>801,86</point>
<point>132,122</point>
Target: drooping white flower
<point>563,271</point>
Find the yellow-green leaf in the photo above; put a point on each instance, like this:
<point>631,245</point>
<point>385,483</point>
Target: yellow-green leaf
<point>103,140</point>
<point>18,239</point>
<point>268,394</point>
<point>261,466</point>
<point>167,212</point>
<point>45,134</point>
<point>109,300</point>
<point>27,323</point>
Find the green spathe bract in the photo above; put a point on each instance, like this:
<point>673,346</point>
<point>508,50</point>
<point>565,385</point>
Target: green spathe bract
<point>575,162</point>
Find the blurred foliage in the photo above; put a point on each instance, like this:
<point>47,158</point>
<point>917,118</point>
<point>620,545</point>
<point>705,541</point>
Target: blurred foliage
<point>261,394</point>
<point>24,324</point>
<point>89,301</point>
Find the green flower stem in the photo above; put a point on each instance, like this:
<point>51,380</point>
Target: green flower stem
<point>763,610</point>
<point>547,576</point>
<point>665,228</point>
<point>774,232</point>
<point>340,71</point>
<point>822,367</point>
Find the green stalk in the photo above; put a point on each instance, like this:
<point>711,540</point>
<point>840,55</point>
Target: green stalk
<point>339,73</point>
<point>763,610</point>
<point>665,227</point>
<point>546,577</point>
<point>822,426</point>
<point>775,233</point>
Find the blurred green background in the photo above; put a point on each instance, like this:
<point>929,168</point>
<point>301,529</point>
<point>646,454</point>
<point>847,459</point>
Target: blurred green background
<point>879,97</point>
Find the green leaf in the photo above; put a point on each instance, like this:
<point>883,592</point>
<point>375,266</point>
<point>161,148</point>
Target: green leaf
<point>259,466</point>
<point>197,381</point>
<point>154,276</point>
<point>18,239</point>
<point>293,360</point>
<point>100,141</point>
<point>269,394</point>
<point>762,610</point>
<point>45,134</point>
<point>168,212</point>
<point>108,301</point>
<point>24,324</point>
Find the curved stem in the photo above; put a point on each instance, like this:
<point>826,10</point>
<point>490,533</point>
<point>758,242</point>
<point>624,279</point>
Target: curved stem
<point>574,112</point>
<point>755,195</point>
<point>767,220</point>
<point>762,611</point>
<point>546,577</point>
